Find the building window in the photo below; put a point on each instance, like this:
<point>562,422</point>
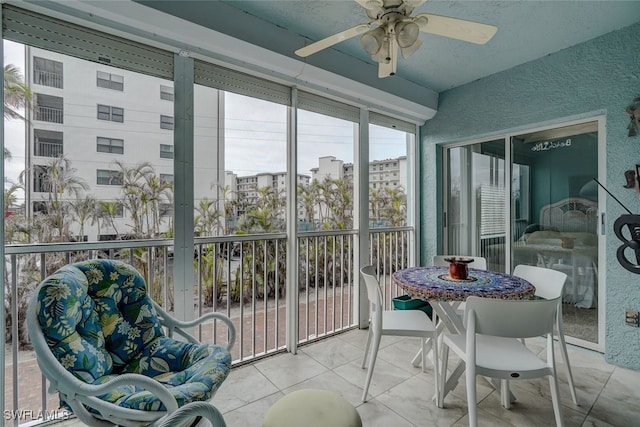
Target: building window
<point>41,182</point>
<point>166,122</point>
<point>109,177</point>
<point>166,151</point>
<point>47,72</point>
<point>47,143</point>
<point>166,92</point>
<point>110,81</point>
<point>49,108</point>
<point>114,114</point>
<point>110,145</point>
<point>166,177</point>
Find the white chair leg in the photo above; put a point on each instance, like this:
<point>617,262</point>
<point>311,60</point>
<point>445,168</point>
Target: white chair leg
<point>565,358</point>
<point>471,396</point>
<point>372,361</point>
<point>555,399</point>
<point>366,347</point>
<point>436,370</point>
<point>424,353</point>
<point>443,374</point>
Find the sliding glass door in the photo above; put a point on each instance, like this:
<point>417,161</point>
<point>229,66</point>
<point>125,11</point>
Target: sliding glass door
<point>555,212</point>
<point>475,201</point>
<point>531,198</point>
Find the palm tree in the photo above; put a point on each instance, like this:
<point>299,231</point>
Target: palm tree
<point>208,218</point>
<point>109,210</point>
<point>16,93</point>
<point>11,196</point>
<point>59,179</point>
<point>133,183</point>
<point>82,211</point>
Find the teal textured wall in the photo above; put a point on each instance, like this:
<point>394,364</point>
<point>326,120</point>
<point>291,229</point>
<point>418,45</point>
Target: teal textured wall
<point>601,76</point>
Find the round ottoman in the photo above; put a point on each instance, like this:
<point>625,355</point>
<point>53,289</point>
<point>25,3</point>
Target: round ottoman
<point>312,408</point>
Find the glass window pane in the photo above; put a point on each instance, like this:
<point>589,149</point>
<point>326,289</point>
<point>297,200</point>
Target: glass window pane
<point>325,168</point>
<point>388,176</point>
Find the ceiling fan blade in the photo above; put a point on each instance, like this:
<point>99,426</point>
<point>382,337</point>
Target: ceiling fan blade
<point>388,68</point>
<point>331,40</point>
<point>460,29</point>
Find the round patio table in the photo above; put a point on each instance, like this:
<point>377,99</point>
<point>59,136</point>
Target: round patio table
<point>434,284</point>
<point>445,294</point>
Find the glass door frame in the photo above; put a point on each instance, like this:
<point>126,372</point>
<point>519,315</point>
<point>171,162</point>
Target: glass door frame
<point>602,197</point>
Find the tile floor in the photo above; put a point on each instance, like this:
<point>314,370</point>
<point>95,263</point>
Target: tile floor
<point>401,395</point>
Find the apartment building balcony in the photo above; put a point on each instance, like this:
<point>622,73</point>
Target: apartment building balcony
<point>48,78</point>
<point>48,114</point>
<point>48,149</point>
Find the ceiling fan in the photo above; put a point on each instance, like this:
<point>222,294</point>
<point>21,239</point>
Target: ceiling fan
<point>392,28</point>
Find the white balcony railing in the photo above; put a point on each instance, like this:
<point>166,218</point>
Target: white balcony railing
<point>243,276</point>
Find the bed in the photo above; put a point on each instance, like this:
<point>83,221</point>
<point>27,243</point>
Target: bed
<point>565,239</point>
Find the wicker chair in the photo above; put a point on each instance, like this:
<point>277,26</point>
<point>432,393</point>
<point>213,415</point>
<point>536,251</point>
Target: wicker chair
<point>109,351</point>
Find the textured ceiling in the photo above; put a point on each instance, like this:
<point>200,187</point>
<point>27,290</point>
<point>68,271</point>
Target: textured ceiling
<point>527,30</point>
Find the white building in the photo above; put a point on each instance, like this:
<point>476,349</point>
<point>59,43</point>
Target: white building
<point>98,115</point>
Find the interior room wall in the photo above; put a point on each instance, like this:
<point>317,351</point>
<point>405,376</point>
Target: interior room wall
<point>599,77</point>
<point>558,174</point>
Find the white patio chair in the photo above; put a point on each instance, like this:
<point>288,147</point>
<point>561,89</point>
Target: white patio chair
<point>491,346</point>
<point>110,352</point>
<point>549,284</point>
<point>408,323</point>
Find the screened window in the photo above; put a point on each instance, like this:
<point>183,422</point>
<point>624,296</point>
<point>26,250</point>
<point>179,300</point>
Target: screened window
<point>166,177</point>
<point>166,151</point>
<point>110,145</point>
<point>47,72</point>
<point>110,81</point>
<point>114,114</point>
<point>166,122</point>
<point>109,177</point>
<point>166,93</point>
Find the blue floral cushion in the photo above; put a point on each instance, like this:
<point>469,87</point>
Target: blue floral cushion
<point>70,322</point>
<point>190,371</point>
<point>99,323</point>
<point>128,319</point>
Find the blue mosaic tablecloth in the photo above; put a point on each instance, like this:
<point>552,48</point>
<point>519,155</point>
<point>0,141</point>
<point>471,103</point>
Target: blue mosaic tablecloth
<point>433,283</point>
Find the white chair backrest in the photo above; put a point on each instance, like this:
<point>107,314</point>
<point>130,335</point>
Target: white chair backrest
<point>512,318</point>
<point>549,283</point>
<point>478,262</point>
<point>374,293</point>
<point>373,286</point>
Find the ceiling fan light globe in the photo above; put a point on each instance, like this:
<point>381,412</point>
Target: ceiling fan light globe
<point>407,33</point>
<point>373,40</point>
<point>373,4</point>
<point>408,51</point>
<point>384,54</point>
